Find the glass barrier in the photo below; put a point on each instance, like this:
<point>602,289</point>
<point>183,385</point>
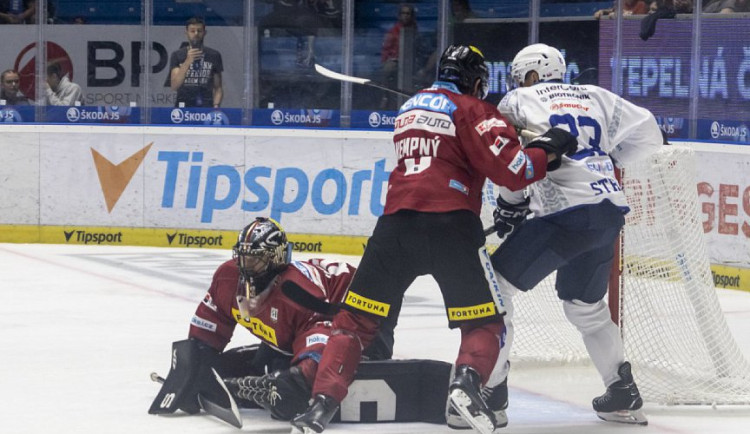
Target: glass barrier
<point>252,62</point>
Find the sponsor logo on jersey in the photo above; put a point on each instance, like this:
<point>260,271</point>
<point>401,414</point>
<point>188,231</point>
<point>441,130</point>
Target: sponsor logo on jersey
<point>317,338</point>
<point>363,303</point>
<point>208,301</point>
<point>471,312</point>
<point>517,163</point>
<point>203,324</point>
<point>497,146</point>
<point>568,105</point>
<point>430,101</point>
<point>458,186</point>
<point>256,327</point>
<point>488,124</point>
<point>274,314</point>
<point>529,169</point>
<point>439,123</point>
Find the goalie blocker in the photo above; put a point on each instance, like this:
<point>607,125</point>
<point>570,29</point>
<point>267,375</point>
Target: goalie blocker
<point>383,391</point>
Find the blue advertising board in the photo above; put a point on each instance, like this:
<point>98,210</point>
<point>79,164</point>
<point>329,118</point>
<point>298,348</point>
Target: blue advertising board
<point>320,118</point>
<point>17,114</point>
<point>196,116</point>
<point>373,120</point>
<point>656,74</point>
<point>92,114</point>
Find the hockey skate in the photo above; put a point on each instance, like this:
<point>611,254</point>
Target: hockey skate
<point>466,398</point>
<point>497,401</point>
<point>621,402</point>
<point>317,416</point>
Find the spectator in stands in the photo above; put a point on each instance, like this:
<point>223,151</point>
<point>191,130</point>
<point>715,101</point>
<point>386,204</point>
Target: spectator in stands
<point>59,89</point>
<point>629,7</point>
<point>17,11</point>
<point>726,6</point>
<point>303,19</point>
<point>390,52</point>
<point>460,11</point>
<point>23,11</point>
<point>195,70</point>
<point>10,81</point>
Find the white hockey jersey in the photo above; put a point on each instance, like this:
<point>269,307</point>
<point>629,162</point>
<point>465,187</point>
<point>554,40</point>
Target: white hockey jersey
<point>607,128</point>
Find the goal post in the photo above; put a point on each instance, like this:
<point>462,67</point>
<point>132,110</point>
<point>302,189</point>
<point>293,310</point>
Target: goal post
<point>661,294</point>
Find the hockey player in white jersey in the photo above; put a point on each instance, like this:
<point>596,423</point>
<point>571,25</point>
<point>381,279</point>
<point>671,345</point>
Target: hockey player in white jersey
<point>578,211</point>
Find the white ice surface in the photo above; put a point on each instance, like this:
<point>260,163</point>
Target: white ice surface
<point>82,327</point>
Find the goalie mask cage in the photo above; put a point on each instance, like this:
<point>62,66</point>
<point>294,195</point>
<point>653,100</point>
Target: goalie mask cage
<point>661,294</point>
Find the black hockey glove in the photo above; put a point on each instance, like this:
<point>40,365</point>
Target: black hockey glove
<point>508,216</point>
<point>555,141</point>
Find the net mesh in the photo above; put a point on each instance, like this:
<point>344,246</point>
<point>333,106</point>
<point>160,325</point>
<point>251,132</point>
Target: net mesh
<point>674,331</point>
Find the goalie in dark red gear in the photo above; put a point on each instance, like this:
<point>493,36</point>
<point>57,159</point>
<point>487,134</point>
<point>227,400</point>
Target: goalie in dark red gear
<point>247,290</point>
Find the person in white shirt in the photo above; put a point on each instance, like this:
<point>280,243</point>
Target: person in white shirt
<point>60,90</point>
<point>578,212</point>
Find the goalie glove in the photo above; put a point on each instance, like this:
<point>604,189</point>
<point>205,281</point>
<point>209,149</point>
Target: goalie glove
<point>508,216</point>
<point>558,142</point>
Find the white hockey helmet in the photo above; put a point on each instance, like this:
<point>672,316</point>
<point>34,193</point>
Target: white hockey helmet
<point>547,61</point>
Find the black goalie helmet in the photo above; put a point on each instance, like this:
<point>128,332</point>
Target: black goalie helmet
<point>261,249</point>
<point>462,65</point>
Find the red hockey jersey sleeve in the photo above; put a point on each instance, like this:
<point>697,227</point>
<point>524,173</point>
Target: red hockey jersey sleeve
<point>213,322</point>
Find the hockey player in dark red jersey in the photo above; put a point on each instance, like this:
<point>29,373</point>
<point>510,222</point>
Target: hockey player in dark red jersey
<point>447,141</point>
<point>247,290</point>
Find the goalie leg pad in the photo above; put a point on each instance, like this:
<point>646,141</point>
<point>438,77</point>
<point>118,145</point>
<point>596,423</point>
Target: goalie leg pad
<point>189,374</point>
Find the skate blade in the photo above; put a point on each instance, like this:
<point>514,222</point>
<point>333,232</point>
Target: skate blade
<point>296,430</point>
<point>480,421</point>
<point>633,417</point>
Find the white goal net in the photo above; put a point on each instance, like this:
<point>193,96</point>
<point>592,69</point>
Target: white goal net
<point>674,331</point>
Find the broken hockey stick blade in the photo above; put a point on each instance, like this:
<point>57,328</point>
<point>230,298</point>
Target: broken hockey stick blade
<point>322,70</point>
<point>303,298</point>
<point>231,414</point>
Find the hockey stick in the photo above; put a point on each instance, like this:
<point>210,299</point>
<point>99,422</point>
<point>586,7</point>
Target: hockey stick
<point>230,415</point>
<point>325,72</point>
<point>303,298</point>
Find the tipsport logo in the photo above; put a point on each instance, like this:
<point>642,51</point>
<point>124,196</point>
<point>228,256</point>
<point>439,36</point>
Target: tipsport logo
<point>267,189</point>
<point>187,240</point>
<point>180,115</point>
<point>114,178</point>
<point>88,237</point>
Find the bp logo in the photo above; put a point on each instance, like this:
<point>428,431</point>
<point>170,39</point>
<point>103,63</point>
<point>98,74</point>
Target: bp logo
<point>177,116</point>
<point>374,119</point>
<point>277,117</point>
<point>73,114</point>
<point>715,130</point>
<point>25,64</point>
